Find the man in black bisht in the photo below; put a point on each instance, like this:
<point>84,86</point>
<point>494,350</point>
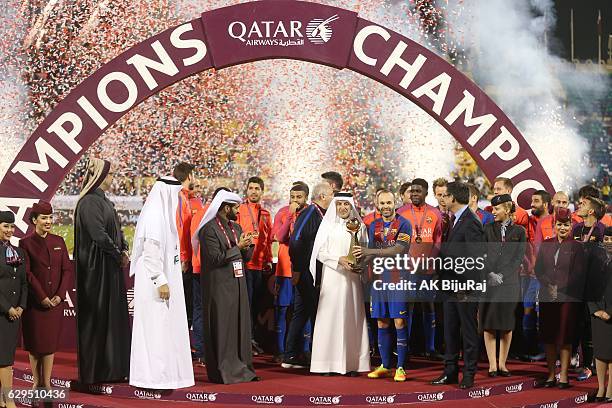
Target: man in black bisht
<point>100,253</point>
<point>224,251</point>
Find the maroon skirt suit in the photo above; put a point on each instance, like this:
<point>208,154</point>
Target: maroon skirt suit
<point>50,273</point>
<point>560,318</point>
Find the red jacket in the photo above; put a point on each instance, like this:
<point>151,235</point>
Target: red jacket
<point>183,224</point>
<point>258,219</point>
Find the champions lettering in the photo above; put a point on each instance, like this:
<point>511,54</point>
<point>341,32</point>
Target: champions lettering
<point>504,146</point>
<point>116,92</point>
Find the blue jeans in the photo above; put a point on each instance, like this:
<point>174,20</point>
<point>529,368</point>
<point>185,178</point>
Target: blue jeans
<point>198,323</point>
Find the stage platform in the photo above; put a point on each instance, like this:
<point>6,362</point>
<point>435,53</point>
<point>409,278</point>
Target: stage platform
<point>295,387</point>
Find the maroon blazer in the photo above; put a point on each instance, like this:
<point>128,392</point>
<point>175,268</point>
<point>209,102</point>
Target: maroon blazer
<point>50,271</point>
<point>569,273</point>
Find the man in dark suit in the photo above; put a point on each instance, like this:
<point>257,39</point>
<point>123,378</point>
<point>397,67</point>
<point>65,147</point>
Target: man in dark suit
<point>464,241</point>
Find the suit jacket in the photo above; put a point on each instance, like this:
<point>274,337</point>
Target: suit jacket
<point>464,240</point>
<point>505,257</point>
<point>303,237</point>
<point>13,283</point>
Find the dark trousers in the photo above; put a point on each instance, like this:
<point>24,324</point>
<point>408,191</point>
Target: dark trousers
<point>254,280</point>
<point>198,323</point>
<point>460,323</point>
<point>188,290</point>
<point>304,308</point>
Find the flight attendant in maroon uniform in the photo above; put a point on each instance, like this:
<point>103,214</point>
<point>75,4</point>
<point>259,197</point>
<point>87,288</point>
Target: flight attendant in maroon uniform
<point>50,274</point>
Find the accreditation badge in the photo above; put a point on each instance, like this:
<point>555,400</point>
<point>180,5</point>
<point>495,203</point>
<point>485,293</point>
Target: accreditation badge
<point>238,271</point>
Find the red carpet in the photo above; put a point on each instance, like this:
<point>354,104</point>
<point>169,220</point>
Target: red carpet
<point>298,388</point>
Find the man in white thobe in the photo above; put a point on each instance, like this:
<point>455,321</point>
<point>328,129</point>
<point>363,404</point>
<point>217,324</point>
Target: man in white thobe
<point>340,340</point>
<point>161,354</point>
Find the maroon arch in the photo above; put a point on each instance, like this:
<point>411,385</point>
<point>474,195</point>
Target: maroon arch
<point>284,29</point>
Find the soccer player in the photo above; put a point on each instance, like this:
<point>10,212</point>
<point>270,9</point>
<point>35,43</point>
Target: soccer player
<point>255,219</point>
<point>284,222</point>
<point>426,224</point>
<point>389,236</point>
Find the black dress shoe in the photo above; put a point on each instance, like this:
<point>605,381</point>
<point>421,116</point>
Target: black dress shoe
<point>546,383</point>
<point>466,382</point>
<point>563,385</point>
<point>503,373</point>
<point>256,378</point>
<point>594,398</point>
<point>352,374</point>
<point>493,373</point>
<point>445,379</point>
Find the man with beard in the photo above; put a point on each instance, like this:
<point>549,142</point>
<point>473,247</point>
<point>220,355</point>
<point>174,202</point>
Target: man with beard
<point>100,253</point>
<point>545,227</point>
<point>388,236</point>
<point>530,286</point>
<point>226,313</point>
<point>255,219</point>
<point>426,224</point>
<point>284,223</point>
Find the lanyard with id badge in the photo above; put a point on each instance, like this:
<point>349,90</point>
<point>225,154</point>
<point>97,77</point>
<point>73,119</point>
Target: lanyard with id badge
<point>237,265</point>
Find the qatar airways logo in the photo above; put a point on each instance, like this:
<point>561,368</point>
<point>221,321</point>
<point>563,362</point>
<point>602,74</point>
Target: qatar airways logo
<point>325,400</point>
<point>201,397</point>
<point>431,397</point>
<point>142,394</point>
<point>282,33</point>
<point>380,399</point>
<point>58,382</point>
<point>267,399</point>
<point>483,392</point>
<point>514,388</point>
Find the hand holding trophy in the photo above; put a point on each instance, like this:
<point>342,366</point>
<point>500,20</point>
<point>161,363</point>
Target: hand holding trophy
<point>353,226</point>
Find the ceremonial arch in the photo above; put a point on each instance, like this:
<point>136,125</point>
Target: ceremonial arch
<point>261,30</point>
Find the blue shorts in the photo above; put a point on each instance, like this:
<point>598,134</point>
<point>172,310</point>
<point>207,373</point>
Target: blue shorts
<point>285,292</point>
<point>530,288</point>
<point>388,304</point>
<point>390,310</point>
